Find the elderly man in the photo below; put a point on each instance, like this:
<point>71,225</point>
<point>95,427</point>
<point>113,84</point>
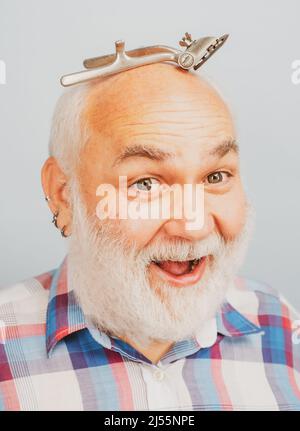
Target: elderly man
<point>147,313</point>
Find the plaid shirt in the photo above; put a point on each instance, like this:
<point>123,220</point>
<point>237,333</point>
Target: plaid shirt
<point>247,358</point>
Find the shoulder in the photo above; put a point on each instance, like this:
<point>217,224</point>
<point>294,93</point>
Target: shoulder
<point>272,312</point>
<point>25,302</point>
<point>270,301</point>
<point>29,288</point>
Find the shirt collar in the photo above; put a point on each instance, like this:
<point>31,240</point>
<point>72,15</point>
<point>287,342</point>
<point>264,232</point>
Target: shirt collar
<point>65,316</point>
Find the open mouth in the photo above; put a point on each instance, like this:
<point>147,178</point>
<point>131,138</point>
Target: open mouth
<point>180,273</point>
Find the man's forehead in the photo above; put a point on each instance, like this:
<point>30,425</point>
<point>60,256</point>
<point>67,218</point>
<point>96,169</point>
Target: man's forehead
<point>141,91</point>
<point>139,117</point>
<point>161,138</point>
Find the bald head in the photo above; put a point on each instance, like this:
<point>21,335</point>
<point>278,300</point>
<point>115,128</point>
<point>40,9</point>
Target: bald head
<point>135,94</point>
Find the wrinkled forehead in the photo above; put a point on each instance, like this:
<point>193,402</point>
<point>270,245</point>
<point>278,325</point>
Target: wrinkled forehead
<point>158,106</point>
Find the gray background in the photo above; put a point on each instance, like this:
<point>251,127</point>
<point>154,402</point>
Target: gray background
<point>42,40</point>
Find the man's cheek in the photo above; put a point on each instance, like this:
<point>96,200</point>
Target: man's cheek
<point>229,212</point>
<point>233,218</point>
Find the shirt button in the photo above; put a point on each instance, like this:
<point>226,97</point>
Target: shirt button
<point>159,375</point>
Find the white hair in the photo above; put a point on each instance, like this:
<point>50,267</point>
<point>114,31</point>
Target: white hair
<point>68,133</point>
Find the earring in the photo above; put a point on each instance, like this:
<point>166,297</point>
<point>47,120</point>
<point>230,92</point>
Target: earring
<point>47,198</point>
<point>54,219</point>
<point>63,232</point>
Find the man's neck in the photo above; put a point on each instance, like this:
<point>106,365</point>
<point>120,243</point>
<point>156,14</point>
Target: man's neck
<point>154,352</point>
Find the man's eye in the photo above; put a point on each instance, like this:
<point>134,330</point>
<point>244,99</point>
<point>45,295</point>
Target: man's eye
<point>218,177</point>
<point>145,185</point>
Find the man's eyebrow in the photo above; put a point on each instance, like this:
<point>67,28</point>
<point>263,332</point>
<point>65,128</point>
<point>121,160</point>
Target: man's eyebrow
<point>154,153</point>
<point>225,147</point>
<point>148,152</point>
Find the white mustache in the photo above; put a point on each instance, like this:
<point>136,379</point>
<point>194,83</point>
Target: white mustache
<point>181,250</point>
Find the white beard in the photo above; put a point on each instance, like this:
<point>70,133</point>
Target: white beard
<point>110,279</point>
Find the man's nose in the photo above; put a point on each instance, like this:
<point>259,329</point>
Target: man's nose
<point>190,216</point>
<point>182,228</point>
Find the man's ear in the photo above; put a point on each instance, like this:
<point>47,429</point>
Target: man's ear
<point>54,183</point>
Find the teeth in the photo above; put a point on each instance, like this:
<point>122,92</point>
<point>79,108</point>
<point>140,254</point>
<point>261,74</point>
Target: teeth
<point>193,263</point>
